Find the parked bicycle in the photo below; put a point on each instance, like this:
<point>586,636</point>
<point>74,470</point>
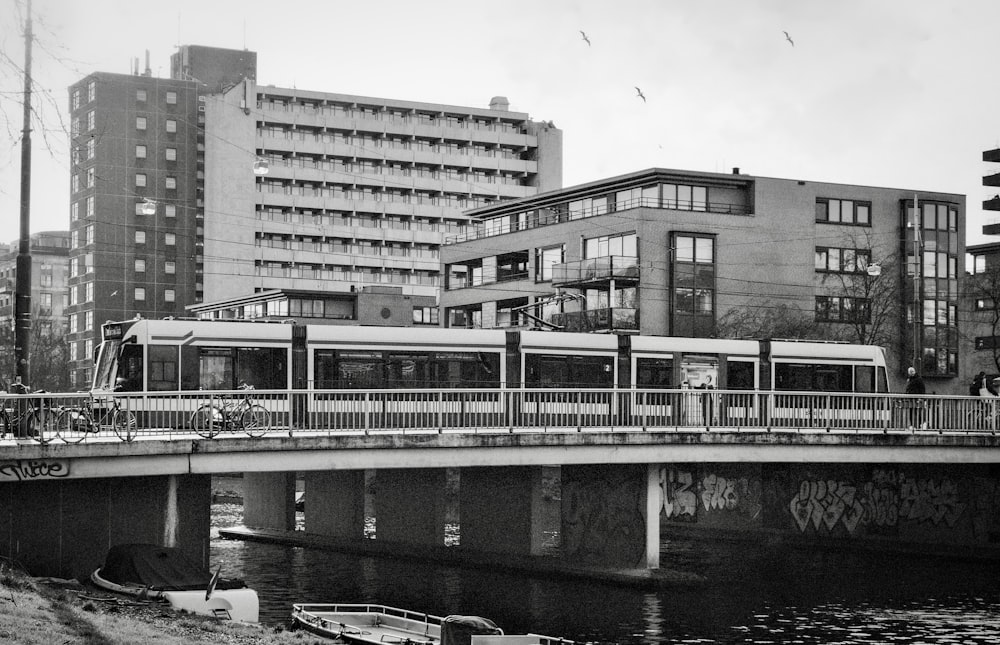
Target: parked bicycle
<point>28,417</point>
<point>74,424</point>
<point>231,414</point>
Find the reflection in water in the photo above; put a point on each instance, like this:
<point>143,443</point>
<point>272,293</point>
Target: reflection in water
<point>754,593</point>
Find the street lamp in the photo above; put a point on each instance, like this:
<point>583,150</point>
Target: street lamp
<point>148,207</point>
<point>261,166</point>
<point>874,270</point>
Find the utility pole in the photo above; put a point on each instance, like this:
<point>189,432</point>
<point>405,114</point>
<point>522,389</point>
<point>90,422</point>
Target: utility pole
<point>22,288</point>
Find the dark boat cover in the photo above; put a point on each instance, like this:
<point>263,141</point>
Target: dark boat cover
<point>459,630</point>
<point>158,567</point>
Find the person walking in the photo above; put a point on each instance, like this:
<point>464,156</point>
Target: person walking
<point>915,385</point>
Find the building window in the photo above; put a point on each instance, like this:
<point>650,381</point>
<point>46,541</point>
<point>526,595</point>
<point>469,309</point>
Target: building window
<point>140,237</point>
<point>171,98</point>
<point>74,211</point>
<point>607,245</point>
<point>140,293</point>
<point>88,292</point>
<point>545,259</point>
<point>140,152</point>
<point>170,210</point>
<point>842,309</point>
<point>171,183</point>
<point>140,179</point>
<point>692,294</point>
<point>140,123</point>
<point>91,90</point>
<point>168,295</point>
<point>170,239</point>
<point>843,211</point>
<point>90,206</point>
<point>75,100</point>
<point>171,154</point>
<point>89,231</point>
<point>140,266</point>
<point>140,95</point>
<point>835,260</point>
<point>46,275</point>
<point>170,268</point>
<point>91,120</point>
<point>425,315</point>
<point>171,125</point>
<point>91,146</point>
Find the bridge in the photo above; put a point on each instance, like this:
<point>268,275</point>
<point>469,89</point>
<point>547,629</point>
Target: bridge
<point>912,470</point>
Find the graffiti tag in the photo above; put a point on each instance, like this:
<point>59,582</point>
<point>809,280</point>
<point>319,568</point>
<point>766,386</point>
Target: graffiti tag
<point>26,469</point>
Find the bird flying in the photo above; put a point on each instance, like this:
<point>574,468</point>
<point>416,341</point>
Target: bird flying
<point>586,40</point>
<point>789,39</point>
<point>640,94</point>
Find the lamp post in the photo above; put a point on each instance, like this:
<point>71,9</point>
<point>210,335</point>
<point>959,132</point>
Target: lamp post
<point>22,289</point>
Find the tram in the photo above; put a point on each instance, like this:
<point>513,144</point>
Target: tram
<point>186,355</point>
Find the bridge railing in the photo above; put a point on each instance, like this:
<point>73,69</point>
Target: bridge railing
<point>72,418</point>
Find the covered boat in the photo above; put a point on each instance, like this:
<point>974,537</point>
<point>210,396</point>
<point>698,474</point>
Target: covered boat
<point>165,573</point>
<point>379,624</point>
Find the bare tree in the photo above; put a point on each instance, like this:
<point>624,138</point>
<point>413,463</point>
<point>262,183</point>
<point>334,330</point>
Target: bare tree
<point>868,285</point>
<point>769,320</point>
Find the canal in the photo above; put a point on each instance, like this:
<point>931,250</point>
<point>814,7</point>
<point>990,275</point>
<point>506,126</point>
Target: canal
<point>752,593</point>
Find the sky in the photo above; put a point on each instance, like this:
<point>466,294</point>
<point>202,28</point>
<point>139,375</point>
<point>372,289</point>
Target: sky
<point>888,93</point>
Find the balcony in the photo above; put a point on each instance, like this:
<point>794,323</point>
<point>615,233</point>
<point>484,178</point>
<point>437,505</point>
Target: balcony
<point>611,319</point>
<point>622,268</point>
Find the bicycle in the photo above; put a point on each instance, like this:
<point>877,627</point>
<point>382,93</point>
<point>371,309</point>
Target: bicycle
<point>252,418</point>
<point>74,424</point>
<point>29,419</point>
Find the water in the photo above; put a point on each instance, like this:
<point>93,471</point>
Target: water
<point>753,593</point>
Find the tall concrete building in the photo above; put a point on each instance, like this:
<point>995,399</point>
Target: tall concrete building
<point>681,253</point>
<point>206,186</point>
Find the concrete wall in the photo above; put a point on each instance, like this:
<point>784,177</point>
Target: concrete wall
<point>64,528</point>
<point>956,506</point>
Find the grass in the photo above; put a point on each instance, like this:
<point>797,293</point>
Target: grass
<point>45,611</point>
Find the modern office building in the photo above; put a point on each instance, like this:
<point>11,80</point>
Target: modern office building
<point>207,186</point>
<point>982,287</point>
<point>682,253</point>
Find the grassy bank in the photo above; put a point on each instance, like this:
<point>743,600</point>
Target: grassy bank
<point>43,611</point>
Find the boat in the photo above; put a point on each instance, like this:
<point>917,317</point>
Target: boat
<point>363,624</point>
<point>148,571</point>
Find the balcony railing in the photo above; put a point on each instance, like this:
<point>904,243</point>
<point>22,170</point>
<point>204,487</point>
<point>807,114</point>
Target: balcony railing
<point>602,268</point>
<point>591,320</point>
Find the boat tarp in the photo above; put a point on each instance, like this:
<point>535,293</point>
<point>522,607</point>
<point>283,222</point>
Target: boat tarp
<point>158,567</point>
<point>459,630</point>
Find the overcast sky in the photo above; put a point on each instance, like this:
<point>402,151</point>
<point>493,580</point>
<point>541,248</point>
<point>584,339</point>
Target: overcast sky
<point>886,93</point>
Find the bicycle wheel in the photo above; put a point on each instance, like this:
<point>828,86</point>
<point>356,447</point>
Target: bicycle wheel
<point>256,420</point>
<point>41,424</point>
<point>125,424</point>
<point>207,420</point>
<point>72,425</point>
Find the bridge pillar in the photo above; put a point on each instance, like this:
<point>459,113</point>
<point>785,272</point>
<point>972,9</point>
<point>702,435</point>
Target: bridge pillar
<point>610,515</point>
<point>335,503</point>
<point>269,500</point>
<point>502,509</point>
<point>409,505</point>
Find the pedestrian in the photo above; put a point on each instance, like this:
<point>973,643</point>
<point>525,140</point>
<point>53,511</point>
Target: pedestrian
<point>982,386</point>
<point>915,385</point>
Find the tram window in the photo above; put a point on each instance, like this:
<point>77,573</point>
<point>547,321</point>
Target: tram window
<point>864,378</point>
<point>807,377</point>
<point>324,366</point>
<point>129,378</point>
<point>215,369</point>
<point>359,373</point>
<point>405,370</point>
<point>545,370</point>
<point>654,372</point>
<point>162,376</point>
<point>262,367</point>
<point>739,375</point>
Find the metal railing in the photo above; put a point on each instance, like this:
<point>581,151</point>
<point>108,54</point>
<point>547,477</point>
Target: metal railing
<point>76,418</point>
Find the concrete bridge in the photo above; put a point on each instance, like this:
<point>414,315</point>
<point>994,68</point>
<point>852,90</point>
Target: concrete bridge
<point>842,466</point>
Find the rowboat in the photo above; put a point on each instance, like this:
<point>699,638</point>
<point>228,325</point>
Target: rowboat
<point>378,624</point>
<point>148,571</point>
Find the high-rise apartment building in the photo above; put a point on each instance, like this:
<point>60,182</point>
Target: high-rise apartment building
<point>682,253</point>
<point>206,186</point>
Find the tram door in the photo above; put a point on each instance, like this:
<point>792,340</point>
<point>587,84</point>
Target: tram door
<point>700,375</point>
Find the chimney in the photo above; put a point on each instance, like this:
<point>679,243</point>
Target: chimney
<point>149,72</point>
<point>736,171</point>
<point>500,103</point>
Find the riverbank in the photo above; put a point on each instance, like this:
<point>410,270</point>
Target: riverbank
<point>41,611</point>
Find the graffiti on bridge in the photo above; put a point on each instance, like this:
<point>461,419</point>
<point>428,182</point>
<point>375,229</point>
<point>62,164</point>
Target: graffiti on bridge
<point>885,500</point>
<point>603,516</point>
<point>680,494</point>
<point>30,469</point>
